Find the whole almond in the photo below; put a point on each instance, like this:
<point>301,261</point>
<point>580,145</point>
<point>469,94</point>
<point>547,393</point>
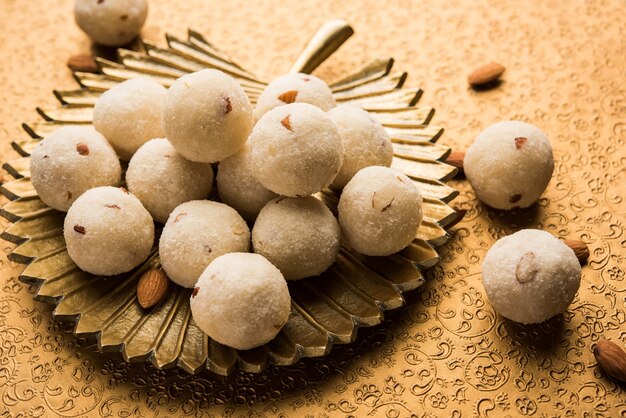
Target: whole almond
<point>151,288</point>
<point>83,63</point>
<point>486,74</point>
<point>580,249</point>
<point>611,358</point>
<point>455,159</point>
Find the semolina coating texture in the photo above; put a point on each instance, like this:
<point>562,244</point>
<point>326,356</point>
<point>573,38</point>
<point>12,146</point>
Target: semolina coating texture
<point>108,231</point>
<point>509,165</point>
<point>530,276</point>
<point>111,22</point>
<point>195,234</point>
<point>207,116</point>
<point>239,188</point>
<point>295,88</point>
<point>129,115</point>
<point>380,211</point>
<point>365,142</point>
<point>162,179</point>
<point>299,235</point>
<point>70,161</point>
<point>296,150</point>
<point>241,300</point>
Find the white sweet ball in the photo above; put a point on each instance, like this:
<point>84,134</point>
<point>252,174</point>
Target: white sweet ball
<point>299,235</point>
<point>238,187</point>
<point>162,179</point>
<point>195,234</point>
<point>365,142</point>
<point>241,300</point>
<point>295,88</point>
<point>107,231</point>
<point>296,150</point>
<point>129,115</point>
<point>70,161</point>
<point>509,165</point>
<point>111,22</point>
<point>207,116</point>
<point>380,211</point>
<point>530,276</point>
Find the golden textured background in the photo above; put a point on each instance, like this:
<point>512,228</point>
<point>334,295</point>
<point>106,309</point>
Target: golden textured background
<point>447,353</point>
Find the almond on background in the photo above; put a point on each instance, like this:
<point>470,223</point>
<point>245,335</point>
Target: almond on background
<point>455,159</point>
<point>580,249</point>
<point>83,63</point>
<point>152,288</point>
<point>485,74</point>
<point>611,358</point>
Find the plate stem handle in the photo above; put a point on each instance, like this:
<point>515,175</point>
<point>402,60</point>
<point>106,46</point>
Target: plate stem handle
<point>326,40</point>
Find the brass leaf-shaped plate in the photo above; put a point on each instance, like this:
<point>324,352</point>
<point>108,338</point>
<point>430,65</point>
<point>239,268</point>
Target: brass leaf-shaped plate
<point>326,310</point>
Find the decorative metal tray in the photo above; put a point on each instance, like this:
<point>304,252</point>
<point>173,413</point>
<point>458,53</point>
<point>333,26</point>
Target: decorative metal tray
<point>326,310</point>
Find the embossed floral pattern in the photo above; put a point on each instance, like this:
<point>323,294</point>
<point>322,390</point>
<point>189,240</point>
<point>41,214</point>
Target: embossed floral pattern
<point>438,400</point>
